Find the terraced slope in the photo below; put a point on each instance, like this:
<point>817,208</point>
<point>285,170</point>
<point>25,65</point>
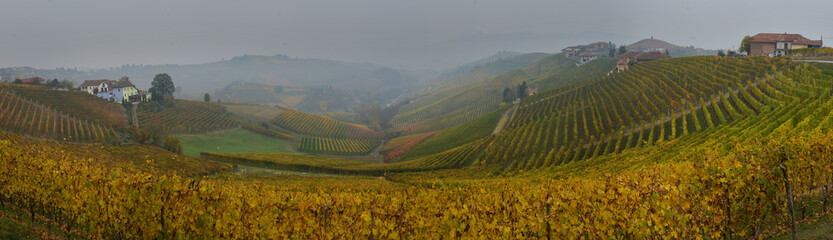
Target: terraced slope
<point>650,103</point>
<point>24,116</point>
<point>325,135</point>
<point>454,158</point>
<point>321,126</point>
<point>76,103</point>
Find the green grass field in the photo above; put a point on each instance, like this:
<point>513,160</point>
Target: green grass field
<point>232,141</point>
<point>9,229</point>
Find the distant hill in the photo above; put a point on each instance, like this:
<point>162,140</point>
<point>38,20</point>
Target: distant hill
<point>277,69</point>
<point>650,44</point>
<point>260,93</point>
<point>478,70</point>
<point>494,58</point>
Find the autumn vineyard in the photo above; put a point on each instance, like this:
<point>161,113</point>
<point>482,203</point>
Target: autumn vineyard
<point>705,147</point>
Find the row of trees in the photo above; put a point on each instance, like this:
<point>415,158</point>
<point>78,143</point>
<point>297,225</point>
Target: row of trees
<point>54,83</point>
<point>519,92</point>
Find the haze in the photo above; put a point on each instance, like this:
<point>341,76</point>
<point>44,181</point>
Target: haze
<point>430,34</point>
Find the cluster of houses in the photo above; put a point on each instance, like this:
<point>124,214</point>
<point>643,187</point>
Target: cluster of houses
<point>595,49</point>
<point>762,44</point>
<point>117,91</point>
<point>588,53</point>
<point>634,57</point>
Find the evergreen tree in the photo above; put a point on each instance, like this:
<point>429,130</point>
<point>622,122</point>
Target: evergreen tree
<point>611,49</point>
<point>522,90</point>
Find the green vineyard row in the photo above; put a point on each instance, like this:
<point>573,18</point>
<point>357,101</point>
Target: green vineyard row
<point>321,126</point>
<point>337,146</point>
<point>189,117</point>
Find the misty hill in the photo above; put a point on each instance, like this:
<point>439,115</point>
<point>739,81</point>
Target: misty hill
<point>650,44</point>
<point>278,70</point>
<point>259,93</point>
<point>478,70</point>
<point>494,58</point>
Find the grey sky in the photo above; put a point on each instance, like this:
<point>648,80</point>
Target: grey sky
<point>403,34</point>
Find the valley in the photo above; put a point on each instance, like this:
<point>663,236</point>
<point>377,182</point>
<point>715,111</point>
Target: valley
<point>414,120</point>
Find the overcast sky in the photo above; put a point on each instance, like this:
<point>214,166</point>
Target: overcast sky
<point>402,34</point>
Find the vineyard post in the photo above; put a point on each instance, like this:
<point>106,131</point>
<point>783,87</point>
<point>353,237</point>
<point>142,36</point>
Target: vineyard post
<point>162,215</point>
<point>548,216</point>
<point>326,215</point>
<point>372,221</point>
<point>728,210</point>
<point>789,196</point>
<point>32,209</point>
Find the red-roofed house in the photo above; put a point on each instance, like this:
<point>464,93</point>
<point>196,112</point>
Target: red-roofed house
<point>650,56</point>
<point>621,65</point>
<point>629,55</point>
<point>779,44</point>
<point>34,80</point>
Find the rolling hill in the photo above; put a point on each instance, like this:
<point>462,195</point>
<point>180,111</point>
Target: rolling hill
<point>478,70</point>
<point>687,147</point>
<point>452,106</point>
<point>650,44</point>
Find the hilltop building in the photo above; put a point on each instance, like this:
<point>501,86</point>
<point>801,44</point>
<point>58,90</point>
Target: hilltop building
<point>779,44</point>
<point>34,80</point>
<point>96,86</point>
<point>650,56</point>
<point>629,55</point>
<point>597,48</point>
<point>621,65</point>
<point>531,91</point>
<point>114,90</point>
<point>143,96</point>
<point>634,57</point>
<point>123,90</point>
<point>586,57</point>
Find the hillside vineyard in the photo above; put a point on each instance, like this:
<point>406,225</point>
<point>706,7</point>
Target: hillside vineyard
<point>21,113</point>
<point>652,102</point>
<point>325,135</point>
<point>687,147</point>
<point>190,117</point>
<point>465,103</point>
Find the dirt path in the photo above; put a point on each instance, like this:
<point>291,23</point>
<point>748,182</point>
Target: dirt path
<point>135,117</point>
<point>818,61</point>
<point>506,118</point>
